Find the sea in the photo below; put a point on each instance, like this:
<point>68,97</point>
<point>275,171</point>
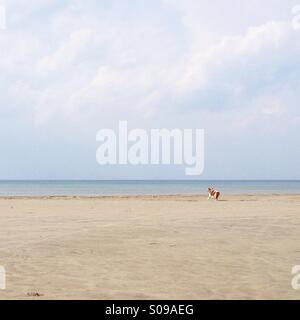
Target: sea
<point>144,187</point>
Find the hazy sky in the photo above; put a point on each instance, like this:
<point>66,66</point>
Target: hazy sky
<point>70,68</point>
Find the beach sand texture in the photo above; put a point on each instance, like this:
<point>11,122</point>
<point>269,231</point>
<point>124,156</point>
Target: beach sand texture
<point>164,247</point>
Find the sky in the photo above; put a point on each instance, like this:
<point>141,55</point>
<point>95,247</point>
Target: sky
<point>71,68</point>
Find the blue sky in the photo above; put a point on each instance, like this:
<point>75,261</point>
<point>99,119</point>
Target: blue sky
<point>70,68</point>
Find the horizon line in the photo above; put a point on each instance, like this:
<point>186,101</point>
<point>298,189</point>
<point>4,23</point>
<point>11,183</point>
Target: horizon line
<point>137,180</point>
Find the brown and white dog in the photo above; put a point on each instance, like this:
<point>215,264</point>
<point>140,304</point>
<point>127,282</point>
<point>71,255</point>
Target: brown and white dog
<point>212,193</point>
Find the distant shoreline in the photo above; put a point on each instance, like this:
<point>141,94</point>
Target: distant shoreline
<point>145,196</point>
<point>101,188</point>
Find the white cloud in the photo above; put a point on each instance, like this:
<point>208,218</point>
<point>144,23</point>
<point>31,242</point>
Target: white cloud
<point>97,60</point>
<point>234,55</point>
<point>230,67</point>
<point>69,53</point>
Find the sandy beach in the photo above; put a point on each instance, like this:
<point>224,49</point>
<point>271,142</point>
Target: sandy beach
<point>144,247</point>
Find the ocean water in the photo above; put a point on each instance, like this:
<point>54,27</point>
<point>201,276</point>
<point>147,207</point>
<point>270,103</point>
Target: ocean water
<point>144,187</point>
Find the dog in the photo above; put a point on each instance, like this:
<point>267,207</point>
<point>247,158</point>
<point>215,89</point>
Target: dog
<point>212,193</point>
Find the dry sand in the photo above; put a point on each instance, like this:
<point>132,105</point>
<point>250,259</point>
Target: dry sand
<point>167,247</point>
